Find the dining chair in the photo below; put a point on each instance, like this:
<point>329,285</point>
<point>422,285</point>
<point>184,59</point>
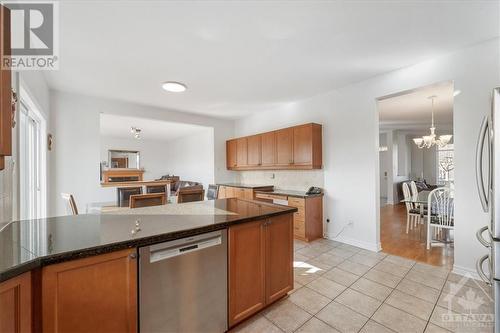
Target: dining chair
<point>440,212</point>
<point>412,212</point>
<point>190,195</point>
<point>70,203</point>
<point>156,188</point>
<point>413,188</point>
<point>124,193</point>
<point>414,192</point>
<point>147,200</point>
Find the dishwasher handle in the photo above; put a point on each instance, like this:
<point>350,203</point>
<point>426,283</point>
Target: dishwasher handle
<point>166,252</point>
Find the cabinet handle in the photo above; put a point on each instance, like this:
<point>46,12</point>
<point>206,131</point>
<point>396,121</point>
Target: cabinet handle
<point>133,256</point>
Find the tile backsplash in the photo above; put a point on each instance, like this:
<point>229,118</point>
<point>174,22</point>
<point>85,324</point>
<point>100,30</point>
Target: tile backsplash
<point>299,180</point>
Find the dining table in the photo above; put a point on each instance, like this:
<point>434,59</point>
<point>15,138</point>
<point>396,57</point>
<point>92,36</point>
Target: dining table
<point>421,202</point>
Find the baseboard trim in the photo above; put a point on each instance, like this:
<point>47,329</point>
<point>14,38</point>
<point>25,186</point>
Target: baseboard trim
<point>464,271</point>
<point>375,247</point>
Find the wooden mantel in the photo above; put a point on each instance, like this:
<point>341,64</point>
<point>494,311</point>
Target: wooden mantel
<point>127,175</point>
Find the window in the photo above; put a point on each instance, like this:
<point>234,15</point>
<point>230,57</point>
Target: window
<point>445,164</point>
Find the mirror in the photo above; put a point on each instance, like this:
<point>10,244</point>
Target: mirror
<point>124,159</point>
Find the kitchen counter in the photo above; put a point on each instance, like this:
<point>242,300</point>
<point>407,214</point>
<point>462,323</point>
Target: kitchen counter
<point>25,245</point>
<point>291,193</point>
<point>252,186</point>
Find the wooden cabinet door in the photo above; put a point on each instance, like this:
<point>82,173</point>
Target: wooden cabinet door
<point>302,145</point>
<point>231,149</point>
<point>241,152</point>
<point>15,304</point>
<point>284,146</point>
<point>246,270</point>
<point>268,150</point>
<point>222,192</point>
<point>248,194</point>
<point>5,86</point>
<point>279,257</point>
<point>254,148</point>
<point>230,193</point>
<point>95,294</point>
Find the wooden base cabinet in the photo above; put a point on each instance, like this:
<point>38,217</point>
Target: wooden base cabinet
<point>94,294</point>
<point>260,265</point>
<point>308,220</point>
<point>15,304</point>
<point>240,192</point>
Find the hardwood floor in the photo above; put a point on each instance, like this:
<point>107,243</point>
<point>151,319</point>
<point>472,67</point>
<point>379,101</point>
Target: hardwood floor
<point>396,241</point>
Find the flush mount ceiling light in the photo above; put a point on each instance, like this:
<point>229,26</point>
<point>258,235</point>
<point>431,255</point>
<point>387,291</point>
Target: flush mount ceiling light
<point>428,141</point>
<point>136,132</point>
<point>173,86</point>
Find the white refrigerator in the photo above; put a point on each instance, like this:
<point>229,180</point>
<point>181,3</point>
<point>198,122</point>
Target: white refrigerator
<point>488,179</point>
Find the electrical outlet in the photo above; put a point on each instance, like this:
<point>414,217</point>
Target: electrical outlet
<point>272,176</point>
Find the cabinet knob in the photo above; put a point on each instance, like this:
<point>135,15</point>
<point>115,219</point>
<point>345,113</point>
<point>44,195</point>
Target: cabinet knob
<point>133,256</point>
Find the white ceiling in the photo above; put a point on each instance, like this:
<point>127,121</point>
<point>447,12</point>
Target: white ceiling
<point>240,57</point>
<point>412,110</point>
<point>151,129</point>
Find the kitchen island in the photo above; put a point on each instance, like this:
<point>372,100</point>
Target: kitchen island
<point>80,273</point>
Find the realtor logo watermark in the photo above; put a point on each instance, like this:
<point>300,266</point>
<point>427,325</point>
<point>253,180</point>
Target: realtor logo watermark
<point>34,36</point>
<point>469,305</point>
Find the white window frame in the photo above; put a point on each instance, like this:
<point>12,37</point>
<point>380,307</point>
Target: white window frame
<point>30,231</point>
<point>28,103</point>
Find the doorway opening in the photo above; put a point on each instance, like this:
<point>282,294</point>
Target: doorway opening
<point>412,163</point>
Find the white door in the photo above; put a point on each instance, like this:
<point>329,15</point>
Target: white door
<point>30,164</point>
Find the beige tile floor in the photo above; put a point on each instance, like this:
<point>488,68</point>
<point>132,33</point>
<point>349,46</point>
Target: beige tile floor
<point>342,288</point>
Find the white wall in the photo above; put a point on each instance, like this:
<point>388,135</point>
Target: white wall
<point>76,152</point>
<point>191,157</point>
<point>350,143</point>
<point>424,164</point>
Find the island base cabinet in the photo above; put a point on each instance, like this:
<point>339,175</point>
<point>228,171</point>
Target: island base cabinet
<point>279,257</point>
<point>15,304</point>
<point>260,265</point>
<point>95,294</point>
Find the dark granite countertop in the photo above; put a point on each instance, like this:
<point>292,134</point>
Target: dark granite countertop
<point>291,193</point>
<point>254,186</point>
<point>25,245</point>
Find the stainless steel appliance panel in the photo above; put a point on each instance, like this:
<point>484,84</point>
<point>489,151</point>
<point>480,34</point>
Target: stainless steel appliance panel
<point>183,285</point>
<point>494,133</point>
<point>496,296</point>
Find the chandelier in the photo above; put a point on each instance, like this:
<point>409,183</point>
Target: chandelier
<point>428,141</point>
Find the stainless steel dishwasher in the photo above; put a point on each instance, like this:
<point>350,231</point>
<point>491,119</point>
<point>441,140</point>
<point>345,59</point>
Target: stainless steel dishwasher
<point>183,285</point>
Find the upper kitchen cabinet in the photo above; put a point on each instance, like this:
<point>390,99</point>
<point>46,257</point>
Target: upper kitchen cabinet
<point>254,150</point>
<point>298,147</point>
<point>284,147</point>
<point>268,149</point>
<point>242,152</point>
<point>231,154</point>
<point>307,147</point>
